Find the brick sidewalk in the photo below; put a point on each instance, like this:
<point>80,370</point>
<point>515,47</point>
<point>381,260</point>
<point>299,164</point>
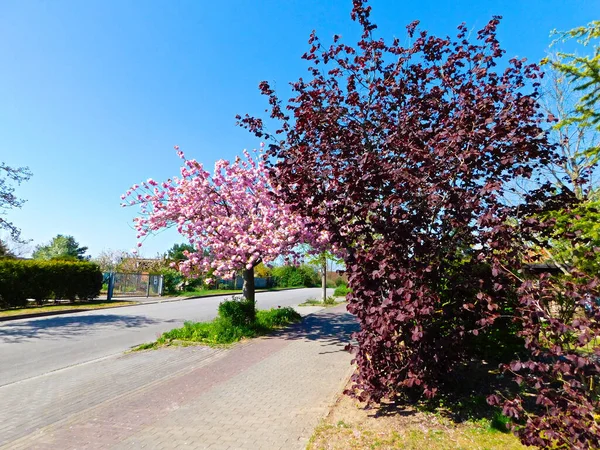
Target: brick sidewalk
<point>266,394</point>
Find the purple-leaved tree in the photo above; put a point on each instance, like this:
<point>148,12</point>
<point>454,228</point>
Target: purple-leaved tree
<point>406,156</point>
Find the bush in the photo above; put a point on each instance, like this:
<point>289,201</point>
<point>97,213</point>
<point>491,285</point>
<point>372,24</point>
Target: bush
<point>341,282</point>
<point>172,279</point>
<point>296,276</point>
<point>329,300</point>
<point>262,271</point>
<point>238,311</point>
<point>43,280</point>
<point>295,280</point>
<point>192,284</point>
<point>500,422</point>
<point>277,317</point>
<point>341,291</point>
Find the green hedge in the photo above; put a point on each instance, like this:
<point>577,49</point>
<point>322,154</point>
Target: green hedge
<point>296,276</point>
<point>341,291</point>
<point>44,280</point>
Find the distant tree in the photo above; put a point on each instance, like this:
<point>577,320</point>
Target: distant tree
<point>129,264</point>
<point>575,171</point>
<point>61,247</point>
<point>109,259</point>
<point>583,70</point>
<point>133,263</point>
<point>8,200</point>
<point>320,260</point>
<point>582,222</point>
<point>263,271</point>
<point>5,251</point>
<point>18,248</point>
<point>570,96</point>
<point>178,252</point>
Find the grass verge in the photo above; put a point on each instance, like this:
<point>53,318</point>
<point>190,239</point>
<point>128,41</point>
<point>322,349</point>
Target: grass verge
<point>205,292</point>
<point>221,331</point>
<point>330,302</point>
<point>350,426</point>
<point>34,309</point>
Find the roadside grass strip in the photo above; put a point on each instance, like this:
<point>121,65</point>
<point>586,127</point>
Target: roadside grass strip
<point>222,330</point>
<point>63,307</point>
<point>328,303</point>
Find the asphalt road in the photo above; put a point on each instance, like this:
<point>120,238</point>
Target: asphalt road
<point>33,347</point>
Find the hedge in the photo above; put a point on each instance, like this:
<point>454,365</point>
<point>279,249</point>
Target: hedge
<point>21,280</point>
<point>296,276</point>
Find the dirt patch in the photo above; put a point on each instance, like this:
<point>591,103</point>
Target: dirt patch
<point>350,426</point>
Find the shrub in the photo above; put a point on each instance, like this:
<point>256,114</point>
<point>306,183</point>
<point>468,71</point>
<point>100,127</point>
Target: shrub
<point>295,280</point>
<point>329,300</point>
<point>192,284</point>
<point>500,422</point>
<point>341,291</point>
<point>310,276</point>
<point>172,279</point>
<point>238,311</point>
<point>43,280</point>
<point>262,271</point>
<point>341,282</point>
<point>277,317</point>
<point>296,276</point>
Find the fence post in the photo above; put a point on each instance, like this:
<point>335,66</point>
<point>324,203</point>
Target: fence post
<point>111,286</point>
<point>148,286</point>
<point>160,285</point>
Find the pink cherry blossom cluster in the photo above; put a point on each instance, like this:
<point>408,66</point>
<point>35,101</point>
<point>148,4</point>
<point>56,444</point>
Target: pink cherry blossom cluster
<point>234,217</point>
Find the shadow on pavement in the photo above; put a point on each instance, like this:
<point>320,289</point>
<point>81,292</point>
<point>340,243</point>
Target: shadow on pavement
<point>330,328</point>
<point>68,326</point>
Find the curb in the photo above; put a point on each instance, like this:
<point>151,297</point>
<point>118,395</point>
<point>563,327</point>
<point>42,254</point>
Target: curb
<point>79,310</point>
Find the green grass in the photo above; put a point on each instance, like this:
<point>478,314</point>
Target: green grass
<point>205,292</point>
<point>441,436</point>
<point>500,422</point>
<point>34,309</point>
<point>331,301</point>
<point>341,291</point>
<point>221,331</point>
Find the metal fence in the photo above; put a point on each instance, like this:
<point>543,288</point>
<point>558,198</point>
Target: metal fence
<point>133,285</point>
<point>259,283</point>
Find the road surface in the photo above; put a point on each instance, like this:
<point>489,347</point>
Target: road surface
<point>30,348</point>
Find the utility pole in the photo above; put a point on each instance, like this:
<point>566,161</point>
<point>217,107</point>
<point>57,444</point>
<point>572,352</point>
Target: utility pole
<point>324,277</point>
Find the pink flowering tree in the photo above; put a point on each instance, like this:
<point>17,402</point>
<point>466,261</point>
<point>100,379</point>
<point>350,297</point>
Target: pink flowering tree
<point>232,217</point>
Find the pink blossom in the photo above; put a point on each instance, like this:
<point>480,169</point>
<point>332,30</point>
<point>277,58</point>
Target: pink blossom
<point>233,212</point>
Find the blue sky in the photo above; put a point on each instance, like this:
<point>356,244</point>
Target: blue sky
<point>95,93</point>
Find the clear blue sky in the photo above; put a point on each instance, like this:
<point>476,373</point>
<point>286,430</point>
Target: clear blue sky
<point>95,93</point>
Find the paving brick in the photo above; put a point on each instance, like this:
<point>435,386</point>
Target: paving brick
<point>268,393</point>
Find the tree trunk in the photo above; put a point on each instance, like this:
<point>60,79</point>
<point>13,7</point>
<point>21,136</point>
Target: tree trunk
<point>324,279</point>
<point>248,290</point>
